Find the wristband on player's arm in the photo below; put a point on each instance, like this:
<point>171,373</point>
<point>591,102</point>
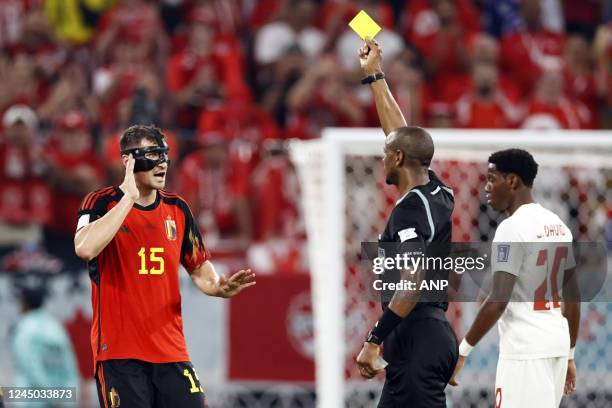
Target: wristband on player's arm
<point>384,327</point>
<point>465,348</point>
<point>571,353</point>
<point>372,78</point>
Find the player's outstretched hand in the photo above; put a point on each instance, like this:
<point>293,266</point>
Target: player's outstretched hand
<point>236,283</point>
<point>367,360</point>
<point>129,183</point>
<point>460,362</point>
<point>570,378</point>
<point>370,57</point>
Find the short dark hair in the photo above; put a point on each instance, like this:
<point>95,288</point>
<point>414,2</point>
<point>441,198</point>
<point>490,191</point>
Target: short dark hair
<point>416,143</point>
<point>517,161</point>
<point>133,135</point>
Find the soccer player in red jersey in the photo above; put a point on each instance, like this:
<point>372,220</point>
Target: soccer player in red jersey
<point>133,237</point>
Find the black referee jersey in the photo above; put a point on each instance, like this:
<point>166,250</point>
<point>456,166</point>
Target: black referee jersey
<point>422,215</point>
<point>425,211</point>
<point>422,349</point>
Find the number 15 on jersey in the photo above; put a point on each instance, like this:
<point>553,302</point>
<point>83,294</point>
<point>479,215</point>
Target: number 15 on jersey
<point>150,261</point>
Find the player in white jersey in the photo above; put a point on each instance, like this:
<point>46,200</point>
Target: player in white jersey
<point>534,295</point>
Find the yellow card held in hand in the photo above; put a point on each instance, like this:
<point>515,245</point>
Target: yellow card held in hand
<point>364,26</point>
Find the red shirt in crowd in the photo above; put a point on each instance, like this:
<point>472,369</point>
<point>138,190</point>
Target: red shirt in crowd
<point>224,15</point>
<point>238,120</point>
<point>65,204</point>
<point>222,65</point>
<point>212,190</point>
<point>423,30</point>
<point>125,77</point>
<point>562,115</point>
<point>136,22</point>
<point>275,195</point>
<point>449,68</point>
<point>421,20</point>
<point>463,84</point>
<point>319,113</point>
<point>12,19</point>
<point>503,111</point>
<point>262,12</point>
<point>471,112</point>
<point>582,89</point>
<point>24,194</point>
<point>525,55</point>
<point>183,67</point>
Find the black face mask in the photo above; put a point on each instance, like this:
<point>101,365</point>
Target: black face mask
<point>149,157</point>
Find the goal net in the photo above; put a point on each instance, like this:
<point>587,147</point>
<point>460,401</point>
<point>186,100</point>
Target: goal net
<point>346,202</point>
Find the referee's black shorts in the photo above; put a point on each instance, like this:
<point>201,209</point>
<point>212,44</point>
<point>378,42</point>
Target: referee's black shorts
<point>139,384</point>
<point>422,352</point>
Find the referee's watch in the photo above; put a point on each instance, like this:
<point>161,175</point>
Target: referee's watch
<point>372,78</point>
<point>374,339</point>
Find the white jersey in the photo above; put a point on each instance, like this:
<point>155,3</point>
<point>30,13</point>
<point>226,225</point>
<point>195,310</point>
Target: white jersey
<point>536,246</point>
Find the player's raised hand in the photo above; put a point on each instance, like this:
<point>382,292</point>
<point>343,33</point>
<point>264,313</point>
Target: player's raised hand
<point>570,378</point>
<point>129,183</point>
<point>370,57</point>
<point>236,283</point>
<point>460,362</point>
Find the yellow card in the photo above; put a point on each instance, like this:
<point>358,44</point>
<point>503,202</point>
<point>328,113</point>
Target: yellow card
<point>364,26</point>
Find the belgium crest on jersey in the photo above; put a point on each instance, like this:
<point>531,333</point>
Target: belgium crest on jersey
<point>170,229</point>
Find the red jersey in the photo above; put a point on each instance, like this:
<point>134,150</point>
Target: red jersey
<point>135,283</point>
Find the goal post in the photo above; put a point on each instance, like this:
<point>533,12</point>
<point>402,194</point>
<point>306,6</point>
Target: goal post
<point>319,165</point>
<point>345,202</point>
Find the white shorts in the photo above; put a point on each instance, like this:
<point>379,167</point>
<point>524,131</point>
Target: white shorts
<point>536,383</point>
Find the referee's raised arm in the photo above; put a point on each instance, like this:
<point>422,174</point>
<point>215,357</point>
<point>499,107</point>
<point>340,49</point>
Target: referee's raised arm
<point>389,113</point>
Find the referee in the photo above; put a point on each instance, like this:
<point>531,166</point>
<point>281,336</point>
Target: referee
<point>419,344</point>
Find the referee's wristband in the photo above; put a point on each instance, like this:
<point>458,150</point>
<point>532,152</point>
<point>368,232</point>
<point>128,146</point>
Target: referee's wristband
<point>571,353</point>
<point>372,78</point>
<point>387,323</point>
<point>465,348</point>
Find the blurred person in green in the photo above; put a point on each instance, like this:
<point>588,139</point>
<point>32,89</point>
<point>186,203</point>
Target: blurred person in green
<point>40,345</point>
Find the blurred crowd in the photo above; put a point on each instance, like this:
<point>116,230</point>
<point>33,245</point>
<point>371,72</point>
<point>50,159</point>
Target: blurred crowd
<point>230,81</point>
